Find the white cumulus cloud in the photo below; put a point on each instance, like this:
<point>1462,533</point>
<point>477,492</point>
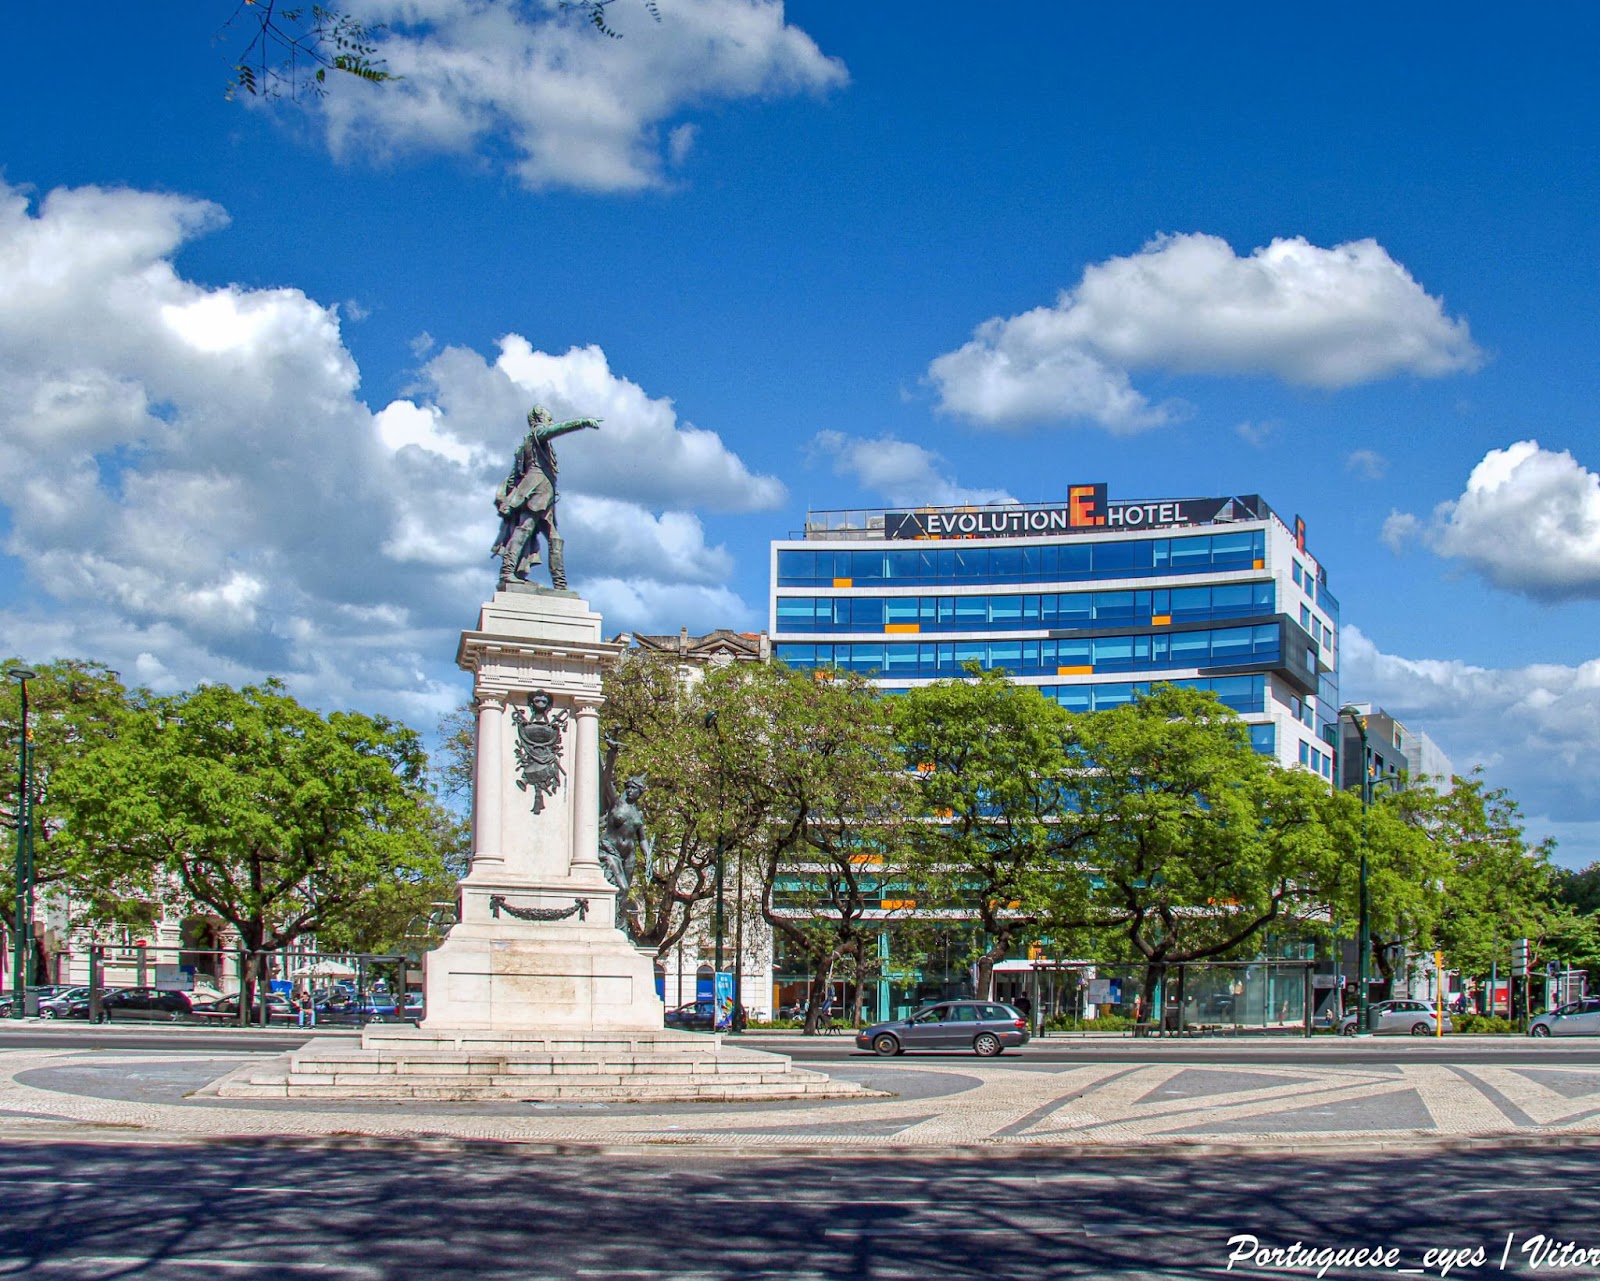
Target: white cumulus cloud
<point>903,474</point>
<point>1187,304</point>
<point>194,490</point>
<point>562,106</point>
<point>1528,521</point>
<point>1535,729</point>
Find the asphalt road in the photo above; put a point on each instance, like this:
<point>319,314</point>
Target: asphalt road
<point>1332,1051</point>
<point>259,1210</point>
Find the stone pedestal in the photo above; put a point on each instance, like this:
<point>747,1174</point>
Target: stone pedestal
<point>536,948</point>
<point>535,994</point>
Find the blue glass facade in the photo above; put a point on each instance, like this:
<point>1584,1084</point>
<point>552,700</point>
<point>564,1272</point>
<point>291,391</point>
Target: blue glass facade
<point>1092,618</point>
<point>1015,611</point>
<point>1260,646</point>
<point>1077,560</point>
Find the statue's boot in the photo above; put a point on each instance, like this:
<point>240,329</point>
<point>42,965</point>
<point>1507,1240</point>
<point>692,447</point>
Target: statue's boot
<point>558,565</point>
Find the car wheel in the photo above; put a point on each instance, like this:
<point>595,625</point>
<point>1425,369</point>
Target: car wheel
<point>1539,1029</point>
<point>1422,1029</point>
<point>986,1045</point>
<point>886,1045</point>
<point>1349,1029</point>
<point>47,1014</point>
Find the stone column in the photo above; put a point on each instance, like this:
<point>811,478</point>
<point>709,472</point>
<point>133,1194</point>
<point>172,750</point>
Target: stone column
<point>586,794</point>
<point>488,844</point>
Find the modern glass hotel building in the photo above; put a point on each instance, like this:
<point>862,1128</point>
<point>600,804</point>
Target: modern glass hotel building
<point>1092,599</point>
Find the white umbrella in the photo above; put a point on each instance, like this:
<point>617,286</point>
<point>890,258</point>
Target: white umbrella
<point>324,970</point>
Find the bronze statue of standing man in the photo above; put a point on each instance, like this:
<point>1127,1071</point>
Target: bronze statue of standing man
<point>526,501</point>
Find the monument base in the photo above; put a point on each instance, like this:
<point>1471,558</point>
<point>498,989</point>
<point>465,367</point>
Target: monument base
<point>567,969</point>
<point>399,1062</point>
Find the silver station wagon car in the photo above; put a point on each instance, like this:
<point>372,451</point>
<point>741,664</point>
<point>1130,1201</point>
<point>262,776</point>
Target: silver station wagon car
<point>1577,1018</point>
<point>983,1027</point>
<point>1398,1018</point>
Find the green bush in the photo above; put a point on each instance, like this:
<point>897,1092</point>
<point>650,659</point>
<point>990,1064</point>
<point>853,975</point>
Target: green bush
<point>1072,1023</point>
<point>1482,1024</point>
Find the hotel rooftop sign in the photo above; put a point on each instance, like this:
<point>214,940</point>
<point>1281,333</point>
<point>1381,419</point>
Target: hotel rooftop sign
<point>1086,511</point>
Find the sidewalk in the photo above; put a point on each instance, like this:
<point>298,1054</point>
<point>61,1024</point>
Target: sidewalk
<point>938,1103</point>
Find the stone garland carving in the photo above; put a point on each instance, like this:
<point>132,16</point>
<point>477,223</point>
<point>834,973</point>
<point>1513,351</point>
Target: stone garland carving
<point>539,733</point>
<point>498,904</point>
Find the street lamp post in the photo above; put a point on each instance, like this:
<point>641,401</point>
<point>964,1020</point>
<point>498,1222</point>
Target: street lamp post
<point>716,968</point>
<point>22,923</point>
<point>1364,929</point>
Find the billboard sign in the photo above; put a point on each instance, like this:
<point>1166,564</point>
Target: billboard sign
<point>1086,511</point>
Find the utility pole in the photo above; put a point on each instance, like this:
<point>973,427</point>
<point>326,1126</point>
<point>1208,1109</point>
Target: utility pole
<point>1364,930</point>
<point>22,919</point>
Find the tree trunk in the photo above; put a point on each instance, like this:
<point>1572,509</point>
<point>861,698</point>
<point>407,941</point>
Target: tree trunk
<point>817,993</point>
<point>1154,972</point>
<point>984,990</point>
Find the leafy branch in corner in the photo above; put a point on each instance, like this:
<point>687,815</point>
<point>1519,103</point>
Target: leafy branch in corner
<point>295,48</point>
<point>594,13</point>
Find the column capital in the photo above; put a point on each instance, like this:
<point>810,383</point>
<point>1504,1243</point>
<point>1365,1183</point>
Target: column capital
<point>489,702</point>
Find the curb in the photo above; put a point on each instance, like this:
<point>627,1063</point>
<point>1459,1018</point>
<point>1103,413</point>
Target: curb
<point>691,1148</point>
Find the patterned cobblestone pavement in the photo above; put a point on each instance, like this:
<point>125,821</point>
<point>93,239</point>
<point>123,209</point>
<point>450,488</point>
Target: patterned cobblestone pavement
<point>938,1103</point>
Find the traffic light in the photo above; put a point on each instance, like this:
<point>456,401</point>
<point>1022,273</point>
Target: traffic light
<point>1519,957</point>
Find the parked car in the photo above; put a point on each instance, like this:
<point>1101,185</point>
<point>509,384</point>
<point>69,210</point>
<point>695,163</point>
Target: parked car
<point>34,996</point>
<point>57,1006</point>
<point>696,1016</point>
<point>146,1003</point>
<point>984,1027</point>
<point>226,1009</point>
<point>343,1009</point>
<point>1578,1018</point>
<point>1398,1018</point>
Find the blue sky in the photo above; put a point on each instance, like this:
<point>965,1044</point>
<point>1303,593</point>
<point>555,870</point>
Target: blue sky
<point>262,364</point>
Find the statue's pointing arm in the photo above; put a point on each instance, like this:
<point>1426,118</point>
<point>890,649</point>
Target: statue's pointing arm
<point>572,424</point>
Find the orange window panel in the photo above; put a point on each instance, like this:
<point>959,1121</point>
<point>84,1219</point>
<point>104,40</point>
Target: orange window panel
<point>895,904</point>
<point>903,627</point>
<point>850,582</point>
<point>1075,671</point>
<point>1160,620</point>
<point>1261,564</point>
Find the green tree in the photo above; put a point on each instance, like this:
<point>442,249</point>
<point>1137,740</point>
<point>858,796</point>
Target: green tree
<point>1497,887</point>
<point>830,798</point>
<point>73,706</point>
<point>280,821</point>
<point>995,837</point>
<point>1406,871</point>
<point>685,738</point>
<point>1196,843</point>
<point>1579,890</point>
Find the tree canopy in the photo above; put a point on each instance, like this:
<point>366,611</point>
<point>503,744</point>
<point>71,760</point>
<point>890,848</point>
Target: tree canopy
<point>279,820</point>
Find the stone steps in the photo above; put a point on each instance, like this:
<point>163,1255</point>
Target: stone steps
<point>646,1067</point>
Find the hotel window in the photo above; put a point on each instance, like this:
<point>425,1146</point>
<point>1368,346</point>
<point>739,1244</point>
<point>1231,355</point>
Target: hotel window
<point>1305,618</point>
